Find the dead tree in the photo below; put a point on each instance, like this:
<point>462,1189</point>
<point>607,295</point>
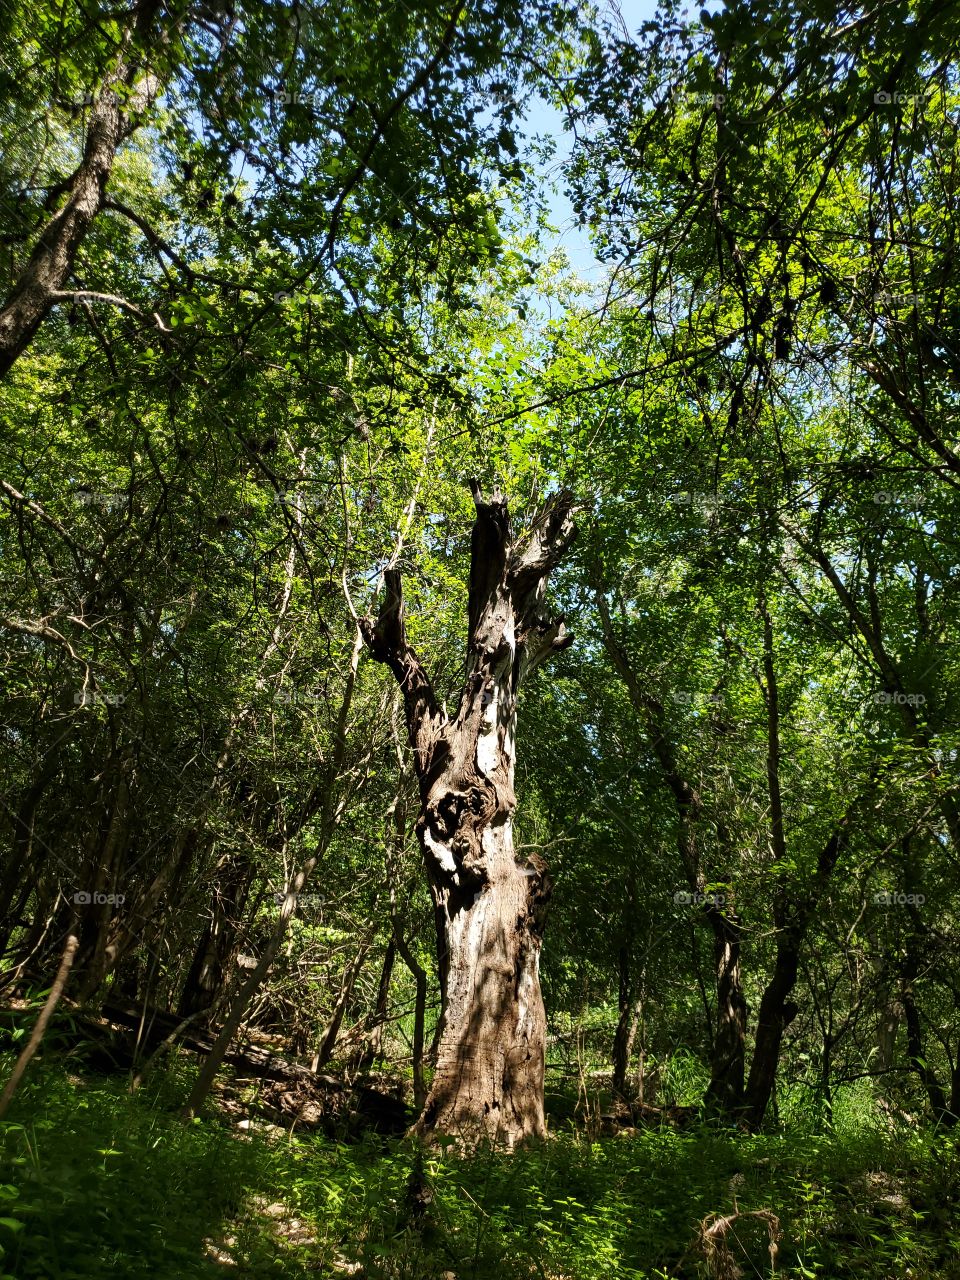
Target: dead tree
<point>490,908</point>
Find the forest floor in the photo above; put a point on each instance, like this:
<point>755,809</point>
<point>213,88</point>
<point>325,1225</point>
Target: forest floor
<point>97,1182</point>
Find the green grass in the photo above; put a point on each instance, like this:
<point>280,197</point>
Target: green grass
<point>99,1184</point>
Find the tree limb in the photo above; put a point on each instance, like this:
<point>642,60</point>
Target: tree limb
<point>113,299</point>
<point>386,638</point>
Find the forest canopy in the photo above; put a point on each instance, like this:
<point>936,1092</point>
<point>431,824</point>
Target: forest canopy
<point>479,512</point>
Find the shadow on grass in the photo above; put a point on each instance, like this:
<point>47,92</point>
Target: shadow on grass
<point>107,1185</point>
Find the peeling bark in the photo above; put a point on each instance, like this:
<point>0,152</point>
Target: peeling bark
<point>490,909</point>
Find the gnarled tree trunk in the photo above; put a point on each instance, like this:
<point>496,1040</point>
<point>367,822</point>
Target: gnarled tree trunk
<point>490,909</point>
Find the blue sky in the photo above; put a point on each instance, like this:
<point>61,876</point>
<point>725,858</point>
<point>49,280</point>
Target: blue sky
<point>542,119</point>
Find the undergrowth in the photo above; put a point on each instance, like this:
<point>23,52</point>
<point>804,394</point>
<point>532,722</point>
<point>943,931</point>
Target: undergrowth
<point>98,1183</point>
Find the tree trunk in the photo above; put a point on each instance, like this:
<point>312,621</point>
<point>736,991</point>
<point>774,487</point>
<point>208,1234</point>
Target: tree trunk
<point>18,876</point>
<point>891,1015</point>
<point>918,1059</point>
<point>370,1048</point>
<point>943,1113</point>
<point>46,1013</point>
<point>93,961</point>
<point>335,801</point>
<point>490,1064</point>
<point>727,1058</point>
<point>490,910</point>
<point>419,1019</point>
<point>953,1116</point>
<point>245,993</point>
<point>328,1041</point>
<point>126,929</point>
<point>826,1078</point>
<point>113,117</point>
<point>776,1012</point>
<point>914,961</point>
<point>627,1022</point>
<point>205,983</point>
<point>725,1092</point>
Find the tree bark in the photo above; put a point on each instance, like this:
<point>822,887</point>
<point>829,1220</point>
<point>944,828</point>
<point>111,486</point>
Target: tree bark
<point>334,804</point>
<point>328,1041</point>
<point>727,1057</point>
<point>627,1022</point>
<point>943,1110</point>
<point>126,930</point>
<point>777,1011</point>
<point>419,1019</point>
<point>725,1092</point>
<point>245,994</point>
<point>205,983</point>
<point>46,1013</point>
<point>18,873</point>
<point>112,118</point>
<point>775,1015</point>
<point>93,961</point>
<point>891,1015</point>
<point>370,1048</point>
<point>490,910</point>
